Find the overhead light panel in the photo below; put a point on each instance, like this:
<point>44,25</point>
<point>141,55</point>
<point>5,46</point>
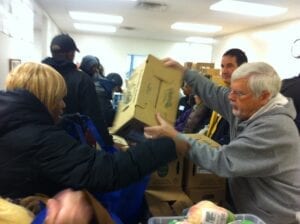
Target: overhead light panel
<point>200,40</point>
<point>95,28</point>
<point>96,17</point>
<point>247,8</point>
<point>196,27</point>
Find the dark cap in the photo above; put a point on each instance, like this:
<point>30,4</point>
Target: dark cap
<point>117,79</point>
<point>63,43</point>
<point>88,62</point>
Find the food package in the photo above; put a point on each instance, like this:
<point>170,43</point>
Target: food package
<point>208,212</point>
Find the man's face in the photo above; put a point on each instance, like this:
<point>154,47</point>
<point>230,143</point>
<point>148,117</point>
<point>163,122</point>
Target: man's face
<point>243,101</point>
<point>228,65</point>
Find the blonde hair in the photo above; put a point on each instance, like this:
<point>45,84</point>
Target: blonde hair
<point>39,79</point>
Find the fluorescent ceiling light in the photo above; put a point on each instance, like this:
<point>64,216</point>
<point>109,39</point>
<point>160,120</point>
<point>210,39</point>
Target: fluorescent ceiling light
<point>200,40</point>
<point>196,27</point>
<point>247,8</point>
<point>96,17</point>
<point>95,27</point>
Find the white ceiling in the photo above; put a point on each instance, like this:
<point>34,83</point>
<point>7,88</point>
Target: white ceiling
<point>155,23</point>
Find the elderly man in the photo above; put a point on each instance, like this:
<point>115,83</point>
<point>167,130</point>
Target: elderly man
<point>261,161</point>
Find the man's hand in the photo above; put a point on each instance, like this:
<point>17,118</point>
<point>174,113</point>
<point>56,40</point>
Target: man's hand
<point>167,130</point>
<point>161,130</point>
<point>169,62</point>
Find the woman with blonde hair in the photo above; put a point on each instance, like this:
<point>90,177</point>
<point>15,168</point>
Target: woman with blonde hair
<point>38,157</point>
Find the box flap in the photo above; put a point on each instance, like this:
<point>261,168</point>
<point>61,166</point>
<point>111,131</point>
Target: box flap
<point>167,201</point>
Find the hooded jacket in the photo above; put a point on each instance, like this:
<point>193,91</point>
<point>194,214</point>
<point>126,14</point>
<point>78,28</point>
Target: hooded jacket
<point>103,86</point>
<point>38,157</point>
<point>81,96</point>
<point>262,160</point>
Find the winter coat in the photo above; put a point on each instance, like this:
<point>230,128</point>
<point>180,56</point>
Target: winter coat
<point>104,90</point>
<point>81,97</point>
<point>38,157</point>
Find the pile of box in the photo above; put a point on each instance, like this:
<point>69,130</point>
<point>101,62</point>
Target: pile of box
<point>176,186</point>
<point>207,69</point>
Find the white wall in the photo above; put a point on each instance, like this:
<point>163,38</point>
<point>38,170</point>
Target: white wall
<point>271,44</point>
<point>113,51</point>
<point>17,48</point>
<point>13,48</point>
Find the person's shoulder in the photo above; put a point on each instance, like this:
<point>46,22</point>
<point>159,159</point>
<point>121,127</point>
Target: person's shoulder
<point>290,85</point>
<point>291,80</point>
<point>82,76</point>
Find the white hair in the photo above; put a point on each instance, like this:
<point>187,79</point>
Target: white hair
<point>262,77</point>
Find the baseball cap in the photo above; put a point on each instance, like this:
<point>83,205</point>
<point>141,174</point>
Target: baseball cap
<point>63,43</point>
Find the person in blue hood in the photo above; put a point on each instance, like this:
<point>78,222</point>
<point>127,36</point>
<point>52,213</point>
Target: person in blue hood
<point>105,86</point>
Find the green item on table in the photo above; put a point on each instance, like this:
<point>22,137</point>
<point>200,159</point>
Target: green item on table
<point>247,222</point>
<point>230,217</point>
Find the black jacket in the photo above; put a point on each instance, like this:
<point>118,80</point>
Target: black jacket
<point>104,90</point>
<point>38,157</point>
<point>291,88</point>
<point>81,96</point>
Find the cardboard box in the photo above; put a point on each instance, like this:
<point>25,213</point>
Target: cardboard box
<point>169,175</point>
<point>200,66</point>
<point>215,76</point>
<point>204,139</point>
<point>167,201</point>
<point>216,195</point>
<point>152,88</point>
<point>194,176</point>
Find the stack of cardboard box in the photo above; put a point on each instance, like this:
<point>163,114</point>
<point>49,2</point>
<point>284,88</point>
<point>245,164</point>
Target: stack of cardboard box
<point>207,69</point>
<point>164,195</point>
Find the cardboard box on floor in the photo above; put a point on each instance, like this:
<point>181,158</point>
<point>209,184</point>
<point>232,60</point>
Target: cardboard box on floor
<point>169,175</point>
<point>194,176</point>
<point>167,201</point>
<point>152,88</point>
<point>214,194</point>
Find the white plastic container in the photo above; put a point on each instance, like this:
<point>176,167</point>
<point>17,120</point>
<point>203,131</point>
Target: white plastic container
<point>239,219</point>
<point>165,220</point>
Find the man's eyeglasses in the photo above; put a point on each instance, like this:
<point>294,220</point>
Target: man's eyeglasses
<point>238,94</point>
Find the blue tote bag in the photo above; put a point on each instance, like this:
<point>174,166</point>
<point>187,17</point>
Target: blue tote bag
<point>130,197</point>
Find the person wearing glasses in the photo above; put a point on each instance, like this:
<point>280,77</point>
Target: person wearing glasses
<point>261,161</point>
